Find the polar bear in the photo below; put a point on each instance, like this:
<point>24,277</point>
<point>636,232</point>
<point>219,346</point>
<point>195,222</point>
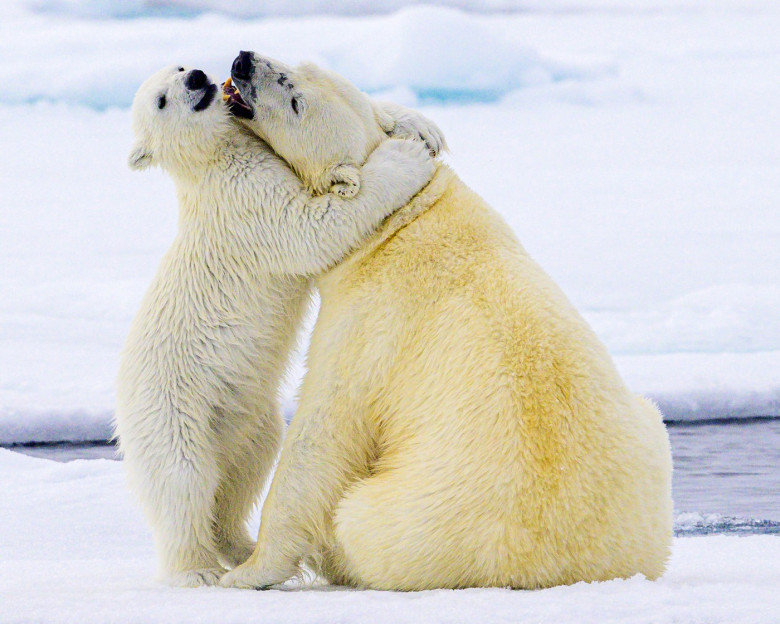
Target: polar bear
<point>197,416</point>
<point>460,424</point>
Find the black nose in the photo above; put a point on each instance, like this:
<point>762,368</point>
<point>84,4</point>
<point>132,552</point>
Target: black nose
<point>196,79</point>
<point>242,66</point>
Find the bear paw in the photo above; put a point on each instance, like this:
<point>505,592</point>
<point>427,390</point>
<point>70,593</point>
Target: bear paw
<point>344,180</point>
<point>249,577</point>
<point>196,578</point>
<point>419,128</point>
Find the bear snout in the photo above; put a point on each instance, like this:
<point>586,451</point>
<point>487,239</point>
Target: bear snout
<point>196,80</point>
<point>242,66</point>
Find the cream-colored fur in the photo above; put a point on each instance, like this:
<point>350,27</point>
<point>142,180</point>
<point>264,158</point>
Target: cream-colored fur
<point>197,415</point>
<point>460,424</point>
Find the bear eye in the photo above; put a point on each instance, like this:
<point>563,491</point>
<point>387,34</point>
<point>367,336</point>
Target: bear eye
<point>181,69</point>
<point>294,104</point>
<point>161,101</point>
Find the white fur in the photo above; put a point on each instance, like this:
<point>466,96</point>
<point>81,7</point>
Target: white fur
<point>197,415</point>
<point>459,424</point>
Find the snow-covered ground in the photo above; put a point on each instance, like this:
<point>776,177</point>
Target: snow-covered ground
<point>633,146</point>
<point>74,548</point>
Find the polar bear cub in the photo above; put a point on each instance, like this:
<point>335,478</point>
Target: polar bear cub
<point>197,418</point>
<point>459,424</point>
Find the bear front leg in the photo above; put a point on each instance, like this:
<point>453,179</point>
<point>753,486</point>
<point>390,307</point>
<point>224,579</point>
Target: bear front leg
<point>326,449</point>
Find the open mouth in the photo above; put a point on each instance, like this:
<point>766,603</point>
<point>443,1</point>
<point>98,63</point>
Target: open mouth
<point>207,98</point>
<point>235,102</point>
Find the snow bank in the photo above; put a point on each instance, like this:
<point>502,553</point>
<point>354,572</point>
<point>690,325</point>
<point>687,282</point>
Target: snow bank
<point>436,53</point>
<point>252,8</point>
<point>78,551</point>
<point>706,386</point>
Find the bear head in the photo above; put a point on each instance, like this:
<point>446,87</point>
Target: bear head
<point>320,123</point>
<point>178,119</point>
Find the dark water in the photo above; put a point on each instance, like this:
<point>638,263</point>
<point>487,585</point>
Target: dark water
<point>726,472</point>
<point>731,468</point>
<point>68,451</point>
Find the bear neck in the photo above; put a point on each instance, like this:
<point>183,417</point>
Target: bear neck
<point>189,162</point>
<point>186,171</point>
<point>441,181</point>
<point>204,186</point>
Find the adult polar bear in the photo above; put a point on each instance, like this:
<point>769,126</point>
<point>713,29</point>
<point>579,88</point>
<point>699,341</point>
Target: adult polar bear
<point>197,412</point>
<point>460,424</point>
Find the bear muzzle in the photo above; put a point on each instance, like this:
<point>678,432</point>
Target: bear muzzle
<point>242,67</point>
<point>196,80</point>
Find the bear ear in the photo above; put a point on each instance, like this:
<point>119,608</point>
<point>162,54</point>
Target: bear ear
<point>298,104</point>
<point>140,157</point>
<point>343,179</point>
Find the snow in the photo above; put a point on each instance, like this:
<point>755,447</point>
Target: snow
<point>252,8</point>
<point>400,50</point>
<point>632,146</point>
<point>76,549</point>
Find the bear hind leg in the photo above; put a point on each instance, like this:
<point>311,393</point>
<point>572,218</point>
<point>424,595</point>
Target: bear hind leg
<point>182,521</point>
<point>248,455</point>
